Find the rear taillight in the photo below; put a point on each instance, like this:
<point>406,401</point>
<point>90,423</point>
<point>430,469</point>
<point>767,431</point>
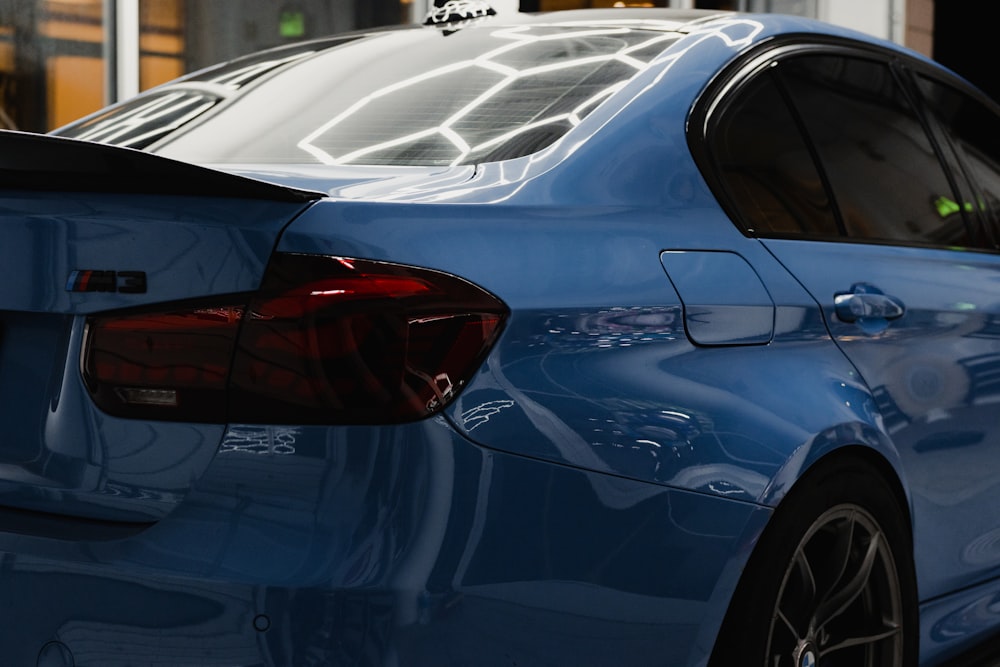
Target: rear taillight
<point>325,340</point>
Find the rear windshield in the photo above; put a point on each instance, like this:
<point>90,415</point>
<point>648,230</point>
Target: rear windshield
<point>406,97</point>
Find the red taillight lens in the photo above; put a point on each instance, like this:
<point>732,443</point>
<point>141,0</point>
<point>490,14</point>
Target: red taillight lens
<point>150,364</point>
<point>325,340</point>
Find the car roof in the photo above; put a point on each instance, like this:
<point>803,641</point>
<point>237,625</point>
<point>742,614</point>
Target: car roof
<point>707,41</point>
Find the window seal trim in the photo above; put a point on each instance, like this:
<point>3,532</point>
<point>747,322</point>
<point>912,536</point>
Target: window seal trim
<point>714,96</point>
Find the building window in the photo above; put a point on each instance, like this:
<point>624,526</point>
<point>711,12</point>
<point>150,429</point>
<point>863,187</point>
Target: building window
<point>63,59</point>
<point>51,61</point>
<point>161,41</point>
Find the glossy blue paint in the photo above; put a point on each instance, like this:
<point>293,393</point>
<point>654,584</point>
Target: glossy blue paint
<point>188,246</point>
<point>932,376</point>
<point>384,542</point>
<point>725,303</point>
<point>952,624</point>
<point>58,453</point>
<point>594,368</point>
<point>594,492</point>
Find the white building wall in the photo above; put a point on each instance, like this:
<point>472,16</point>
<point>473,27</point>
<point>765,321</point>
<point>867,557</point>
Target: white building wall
<point>880,18</point>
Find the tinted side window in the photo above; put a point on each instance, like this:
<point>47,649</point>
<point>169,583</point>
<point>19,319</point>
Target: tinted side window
<point>766,167</point>
<point>885,176</point>
<point>974,130</point>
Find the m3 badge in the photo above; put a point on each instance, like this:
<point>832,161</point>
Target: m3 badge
<point>124,282</point>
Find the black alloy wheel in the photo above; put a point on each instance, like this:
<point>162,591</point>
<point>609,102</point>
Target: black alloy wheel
<point>831,581</point>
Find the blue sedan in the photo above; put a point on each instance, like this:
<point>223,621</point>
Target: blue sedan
<point>602,337</point>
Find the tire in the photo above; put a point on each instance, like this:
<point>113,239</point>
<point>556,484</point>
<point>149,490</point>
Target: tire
<point>831,581</point>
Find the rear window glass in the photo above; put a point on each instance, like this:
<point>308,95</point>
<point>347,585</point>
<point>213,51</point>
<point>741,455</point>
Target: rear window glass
<point>408,97</point>
<point>146,119</point>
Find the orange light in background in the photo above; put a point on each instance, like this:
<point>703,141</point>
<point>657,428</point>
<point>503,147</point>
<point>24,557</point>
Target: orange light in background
<point>6,74</point>
<point>73,20</point>
<point>161,41</point>
<point>558,5</point>
<point>6,49</point>
<point>75,87</point>
<point>74,80</point>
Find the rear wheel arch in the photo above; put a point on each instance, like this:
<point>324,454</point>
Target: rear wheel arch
<point>849,496</point>
<point>881,466</point>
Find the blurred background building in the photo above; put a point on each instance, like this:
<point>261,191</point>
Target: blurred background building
<point>62,59</point>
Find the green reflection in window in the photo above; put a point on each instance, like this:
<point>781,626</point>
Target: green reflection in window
<point>292,24</point>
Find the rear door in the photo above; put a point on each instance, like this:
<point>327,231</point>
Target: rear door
<point>824,155</point>
<point>86,228</point>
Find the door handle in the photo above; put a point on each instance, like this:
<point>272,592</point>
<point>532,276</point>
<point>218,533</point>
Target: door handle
<point>866,302</point>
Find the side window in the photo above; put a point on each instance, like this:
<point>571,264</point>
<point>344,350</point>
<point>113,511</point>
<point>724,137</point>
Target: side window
<point>974,130</point>
<point>885,175</point>
<point>765,165</point>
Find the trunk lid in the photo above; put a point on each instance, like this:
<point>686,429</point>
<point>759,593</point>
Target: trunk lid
<point>86,228</point>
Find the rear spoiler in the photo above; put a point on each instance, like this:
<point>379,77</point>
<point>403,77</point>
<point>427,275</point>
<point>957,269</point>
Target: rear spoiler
<point>55,164</point>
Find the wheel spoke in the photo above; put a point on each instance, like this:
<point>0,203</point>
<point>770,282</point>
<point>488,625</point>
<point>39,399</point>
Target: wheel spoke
<point>860,641</point>
<point>841,599</point>
<point>840,552</point>
<point>792,630</point>
<point>799,596</point>
<point>808,578</point>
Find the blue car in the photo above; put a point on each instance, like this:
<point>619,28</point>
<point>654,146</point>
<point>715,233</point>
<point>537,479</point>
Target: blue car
<point>592,338</point>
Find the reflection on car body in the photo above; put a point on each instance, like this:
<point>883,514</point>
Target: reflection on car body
<point>611,337</point>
